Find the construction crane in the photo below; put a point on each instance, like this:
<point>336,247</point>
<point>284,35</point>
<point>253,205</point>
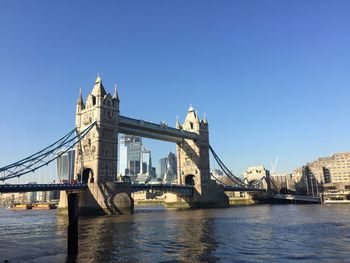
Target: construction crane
<point>273,165</point>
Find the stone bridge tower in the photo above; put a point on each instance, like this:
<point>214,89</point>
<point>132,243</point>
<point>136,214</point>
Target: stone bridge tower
<point>193,156</point>
<point>96,154</point>
<point>193,164</point>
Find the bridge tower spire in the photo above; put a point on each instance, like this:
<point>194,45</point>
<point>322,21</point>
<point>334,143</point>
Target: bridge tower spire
<point>80,107</point>
<point>115,95</point>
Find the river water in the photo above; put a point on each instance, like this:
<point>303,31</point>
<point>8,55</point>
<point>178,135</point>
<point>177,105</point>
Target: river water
<point>261,233</point>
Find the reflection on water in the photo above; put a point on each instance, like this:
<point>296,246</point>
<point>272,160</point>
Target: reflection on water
<point>287,233</point>
<point>161,236</point>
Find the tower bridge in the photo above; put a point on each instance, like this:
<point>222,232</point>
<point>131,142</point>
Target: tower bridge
<point>95,137</point>
<point>96,154</point>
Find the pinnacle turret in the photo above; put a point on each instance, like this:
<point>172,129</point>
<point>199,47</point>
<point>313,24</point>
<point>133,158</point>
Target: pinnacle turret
<point>98,79</point>
<point>80,102</point>
<point>115,95</point>
<point>80,98</point>
<point>178,125</point>
<point>205,118</point>
<point>197,118</point>
<point>98,89</point>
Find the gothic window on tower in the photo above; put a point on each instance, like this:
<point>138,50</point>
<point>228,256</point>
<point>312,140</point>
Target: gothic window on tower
<point>109,115</point>
<point>86,150</point>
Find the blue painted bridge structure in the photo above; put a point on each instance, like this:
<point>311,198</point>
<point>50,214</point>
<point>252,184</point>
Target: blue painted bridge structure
<point>182,190</point>
<point>22,188</point>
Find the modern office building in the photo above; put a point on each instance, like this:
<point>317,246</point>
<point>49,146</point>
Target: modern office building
<point>285,181</point>
<point>162,168</point>
<point>336,169</point>
<point>65,166</point>
<point>324,171</point>
<point>146,161</point>
<point>135,160</point>
<point>130,155</point>
<point>170,168</point>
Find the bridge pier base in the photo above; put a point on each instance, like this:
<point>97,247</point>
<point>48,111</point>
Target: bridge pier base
<point>109,198</point>
<point>210,195</point>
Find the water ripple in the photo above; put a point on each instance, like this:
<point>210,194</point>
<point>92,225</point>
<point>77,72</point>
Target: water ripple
<point>241,234</point>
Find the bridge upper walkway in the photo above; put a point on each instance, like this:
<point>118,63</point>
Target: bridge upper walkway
<point>151,130</point>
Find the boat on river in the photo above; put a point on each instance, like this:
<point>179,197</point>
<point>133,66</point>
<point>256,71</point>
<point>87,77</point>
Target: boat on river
<point>44,206</point>
<point>20,206</point>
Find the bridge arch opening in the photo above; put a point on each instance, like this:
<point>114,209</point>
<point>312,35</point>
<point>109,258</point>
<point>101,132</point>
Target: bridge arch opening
<point>189,179</point>
<point>87,175</point>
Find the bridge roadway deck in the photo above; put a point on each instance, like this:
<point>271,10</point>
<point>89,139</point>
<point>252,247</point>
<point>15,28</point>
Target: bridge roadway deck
<point>183,190</point>
<point>153,131</point>
<point>21,188</point>
<point>242,189</point>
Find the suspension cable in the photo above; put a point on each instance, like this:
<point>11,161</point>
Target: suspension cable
<point>39,153</point>
<point>217,179</point>
<point>38,159</point>
<point>227,172</point>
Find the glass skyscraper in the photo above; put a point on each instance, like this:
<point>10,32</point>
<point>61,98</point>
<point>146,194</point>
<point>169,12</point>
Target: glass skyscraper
<point>162,168</point>
<point>65,166</point>
<point>168,167</point>
<point>135,160</point>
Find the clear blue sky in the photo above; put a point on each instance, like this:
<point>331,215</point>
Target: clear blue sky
<point>272,76</point>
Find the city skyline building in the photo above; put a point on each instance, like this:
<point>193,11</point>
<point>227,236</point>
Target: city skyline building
<point>288,181</point>
<point>170,168</point>
<point>162,168</point>
<point>135,160</point>
<point>333,170</point>
<point>130,155</point>
<point>65,166</point>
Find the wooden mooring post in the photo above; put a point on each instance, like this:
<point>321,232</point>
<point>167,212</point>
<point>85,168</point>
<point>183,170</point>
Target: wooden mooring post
<point>72,248</point>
